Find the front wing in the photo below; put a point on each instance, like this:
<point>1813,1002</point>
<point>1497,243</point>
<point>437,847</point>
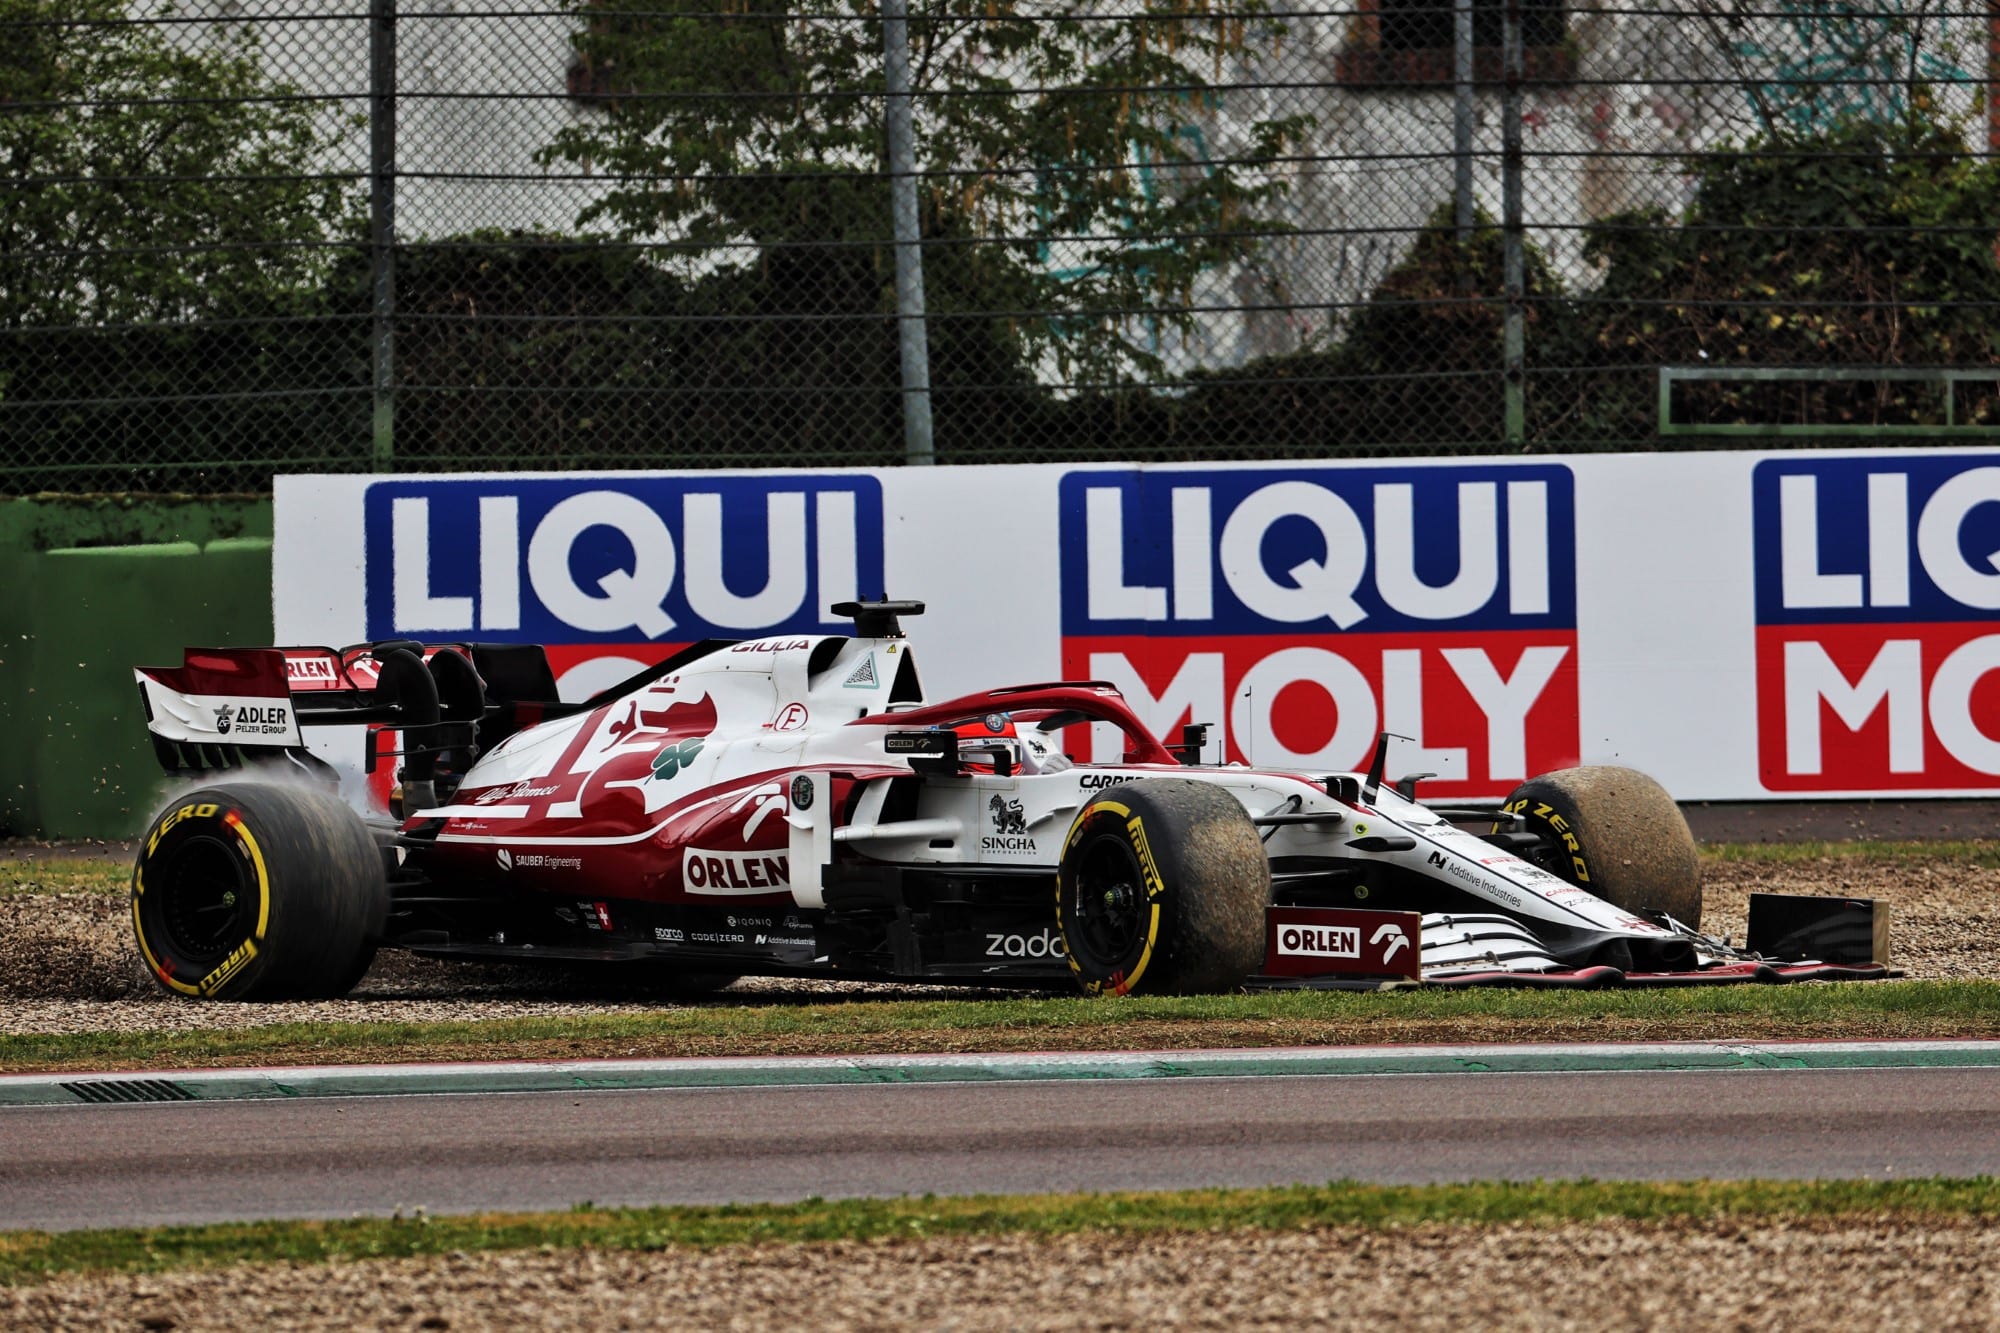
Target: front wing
<point>1331,948</point>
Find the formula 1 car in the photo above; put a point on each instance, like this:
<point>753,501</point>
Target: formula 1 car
<point>795,806</point>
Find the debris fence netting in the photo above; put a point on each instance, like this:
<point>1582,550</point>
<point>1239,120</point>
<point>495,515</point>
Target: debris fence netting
<point>242,237</point>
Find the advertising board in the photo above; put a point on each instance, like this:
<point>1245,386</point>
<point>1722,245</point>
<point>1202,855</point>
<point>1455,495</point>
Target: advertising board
<point>1878,593</point>
<point>1739,625</point>
<point>1301,611</point>
<point>616,572</point>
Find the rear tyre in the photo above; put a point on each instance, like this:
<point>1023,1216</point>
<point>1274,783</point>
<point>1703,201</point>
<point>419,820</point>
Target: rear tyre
<point>246,892</point>
<point>1616,833</point>
<point>1162,889</point>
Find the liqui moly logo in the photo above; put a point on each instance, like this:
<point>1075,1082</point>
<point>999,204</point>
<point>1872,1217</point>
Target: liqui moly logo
<point>624,568</point>
<point>1302,611</point>
<point>1878,622</point>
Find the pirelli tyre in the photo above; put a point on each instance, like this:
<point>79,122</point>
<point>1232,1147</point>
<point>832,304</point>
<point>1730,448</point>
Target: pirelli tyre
<point>254,892</point>
<point>1162,888</point>
<point>1615,832</point>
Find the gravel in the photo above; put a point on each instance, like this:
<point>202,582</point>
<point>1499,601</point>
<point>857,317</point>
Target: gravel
<point>1612,1274</point>
<point>65,966</point>
<point>1944,915</point>
<point>66,959</point>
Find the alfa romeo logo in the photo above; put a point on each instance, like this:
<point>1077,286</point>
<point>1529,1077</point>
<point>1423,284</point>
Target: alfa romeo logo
<point>802,792</point>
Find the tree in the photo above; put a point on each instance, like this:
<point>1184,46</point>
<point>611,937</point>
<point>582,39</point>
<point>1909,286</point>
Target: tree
<point>1869,245</point>
<point>1804,68</point>
<point>534,347</point>
<point>1419,363</point>
<point>1083,153</point>
<point>162,229</point>
<point>146,179</point>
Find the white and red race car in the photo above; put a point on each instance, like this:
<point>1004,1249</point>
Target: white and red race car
<point>795,806</point>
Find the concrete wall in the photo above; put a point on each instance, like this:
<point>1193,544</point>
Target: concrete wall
<point>89,588</point>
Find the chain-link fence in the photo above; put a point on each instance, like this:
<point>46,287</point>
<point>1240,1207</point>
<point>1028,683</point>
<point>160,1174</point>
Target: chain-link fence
<point>239,239</point>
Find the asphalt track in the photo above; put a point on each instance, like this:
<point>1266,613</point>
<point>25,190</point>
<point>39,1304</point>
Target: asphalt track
<point>849,1129</point>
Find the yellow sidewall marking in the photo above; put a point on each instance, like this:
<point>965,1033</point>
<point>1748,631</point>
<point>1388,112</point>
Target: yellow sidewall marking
<point>263,876</point>
<point>1156,884</point>
<point>146,952</point>
<point>139,929</point>
<point>1145,954</point>
<point>1082,816</point>
<point>243,953</point>
<point>1069,840</point>
<point>1154,887</point>
<point>228,967</point>
<point>1561,828</point>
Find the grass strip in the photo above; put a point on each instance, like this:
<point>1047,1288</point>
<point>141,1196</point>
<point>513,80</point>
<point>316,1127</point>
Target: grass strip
<point>29,1256</point>
<point>65,874</point>
<point>1981,853</point>
<point>1914,1010</point>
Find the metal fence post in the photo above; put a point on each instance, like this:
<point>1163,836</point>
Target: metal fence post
<point>382,221</point>
<point>912,336</point>
<point>1512,240</point>
<point>1461,120</point>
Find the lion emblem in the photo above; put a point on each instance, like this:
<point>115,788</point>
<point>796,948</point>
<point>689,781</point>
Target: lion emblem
<point>1007,816</point>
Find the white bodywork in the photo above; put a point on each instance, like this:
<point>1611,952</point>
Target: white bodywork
<point>764,730</point>
<point>772,714</point>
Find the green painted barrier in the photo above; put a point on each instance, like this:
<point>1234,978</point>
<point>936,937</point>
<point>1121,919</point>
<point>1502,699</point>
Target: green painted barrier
<point>90,586</point>
<point>97,612</point>
<point>18,810</point>
<point>60,522</point>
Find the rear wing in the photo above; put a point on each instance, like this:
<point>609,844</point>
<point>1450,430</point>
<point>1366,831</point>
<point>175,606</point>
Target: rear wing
<point>225,708</point>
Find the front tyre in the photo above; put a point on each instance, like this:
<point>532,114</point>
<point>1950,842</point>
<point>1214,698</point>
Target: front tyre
<point>250,892</point>
<point>1616,833</point>
<point>1162,889</point>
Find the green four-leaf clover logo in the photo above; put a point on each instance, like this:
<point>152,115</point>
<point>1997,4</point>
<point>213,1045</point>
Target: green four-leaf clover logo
<point>671,760</point>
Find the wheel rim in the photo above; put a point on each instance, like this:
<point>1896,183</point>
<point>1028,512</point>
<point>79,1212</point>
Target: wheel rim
<point>205,900</point>
<point>1107,904</point>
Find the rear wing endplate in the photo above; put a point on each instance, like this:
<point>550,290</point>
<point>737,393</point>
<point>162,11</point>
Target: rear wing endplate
<point>225,707</point>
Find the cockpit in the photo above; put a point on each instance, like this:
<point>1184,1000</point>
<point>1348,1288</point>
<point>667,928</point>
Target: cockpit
<point>996,743</point>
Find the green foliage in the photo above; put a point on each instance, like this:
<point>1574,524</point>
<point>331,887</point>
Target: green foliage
<point>1419,361</point>
<point>161,254</point>
<point>526,347</point>
<point>1093,142</point>
<point>1427,347</point>
<point>1972,855</point>
<point>1871,244</point>
<point>575,353</point>
<point>56,873</point>
<point>146,182</point>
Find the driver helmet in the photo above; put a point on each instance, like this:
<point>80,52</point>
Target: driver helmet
<point>1030,750</point>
